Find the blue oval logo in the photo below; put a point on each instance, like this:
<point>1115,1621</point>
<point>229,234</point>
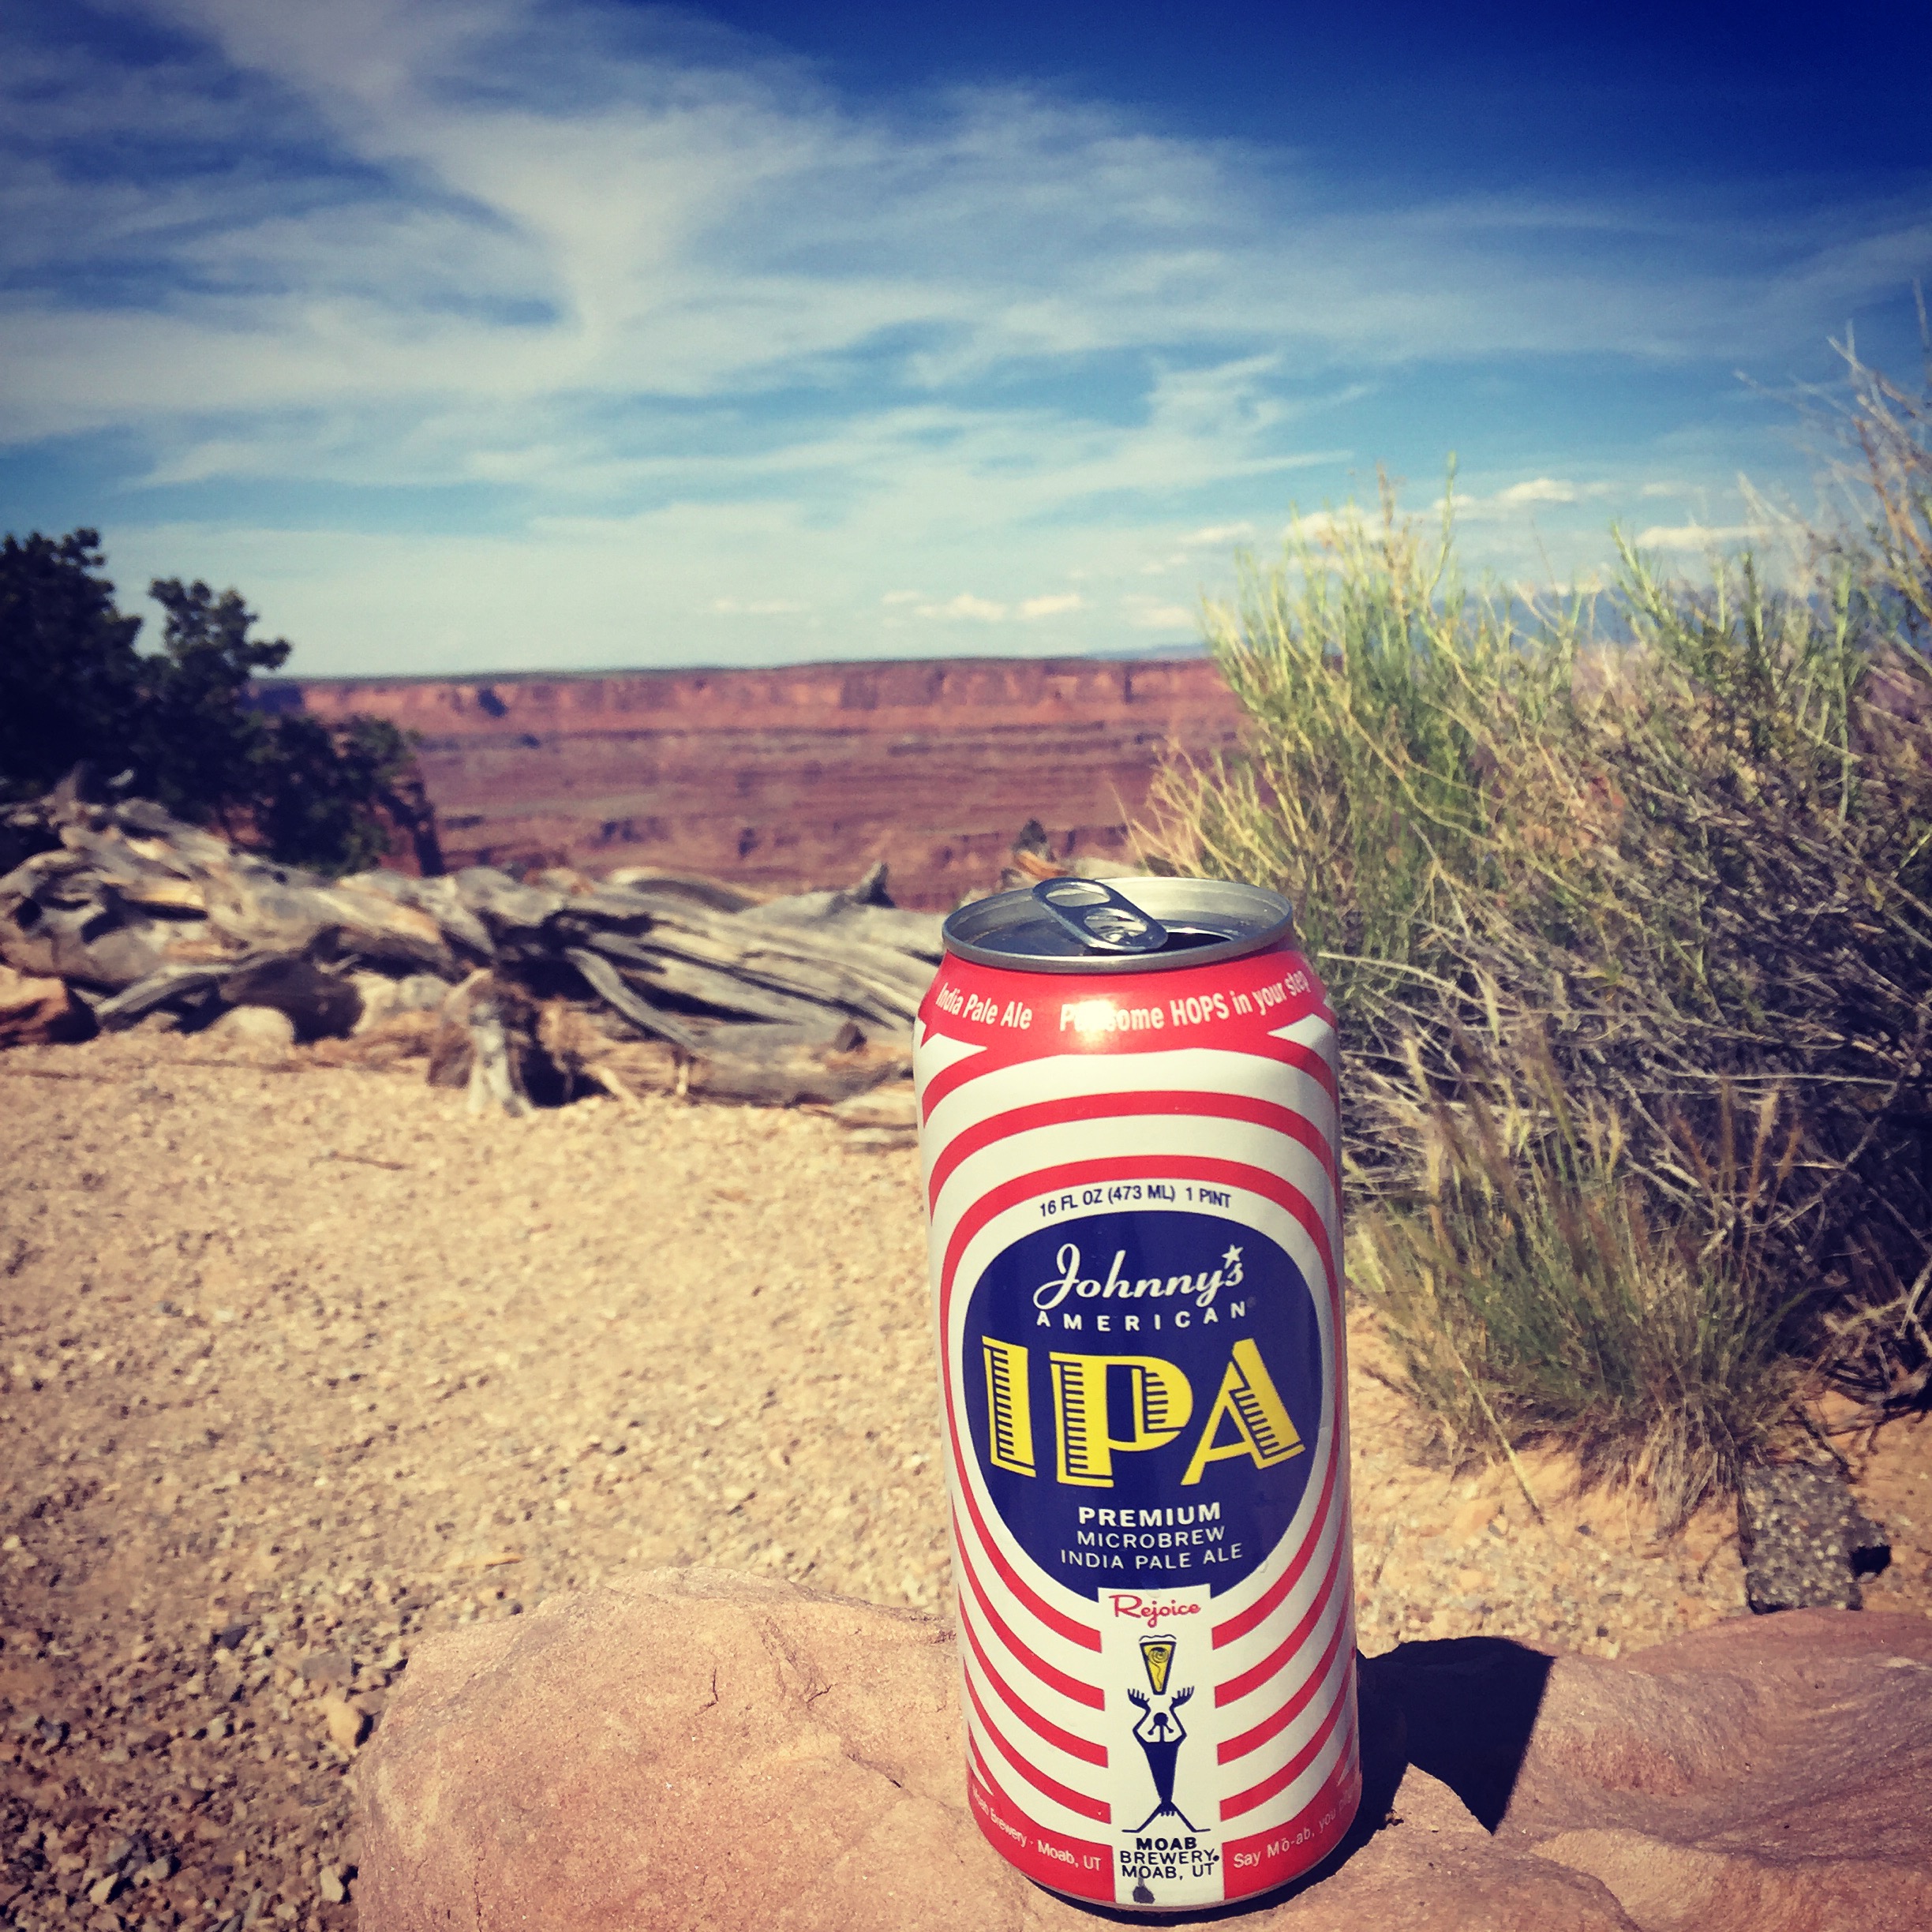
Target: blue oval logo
<point>1144,1396</point>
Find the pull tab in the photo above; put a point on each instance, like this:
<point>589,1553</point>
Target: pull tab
<point>1097,915</point>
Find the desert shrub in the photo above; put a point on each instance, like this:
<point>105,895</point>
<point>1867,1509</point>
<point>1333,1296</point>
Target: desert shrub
<point>175,724</point>
<point>1626,905</point>
<point>1536,1287</point>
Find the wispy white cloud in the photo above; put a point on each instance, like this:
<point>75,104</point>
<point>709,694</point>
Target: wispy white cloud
<point>977,609</point>
<point>689,228</point>
<point>660,301</point>
<point>1218,536</point>
<point>1537,490</point>
<point>1056,604</point>
<point>1147,613</point>
<point>1699,537</point>
<point>1530,494</point>
<point>1313,526</point>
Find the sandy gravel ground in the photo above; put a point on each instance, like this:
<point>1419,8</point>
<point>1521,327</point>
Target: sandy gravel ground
<point>298,1364</point>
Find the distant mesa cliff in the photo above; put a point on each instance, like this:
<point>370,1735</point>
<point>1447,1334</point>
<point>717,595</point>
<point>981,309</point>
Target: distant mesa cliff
<point>782,779</point>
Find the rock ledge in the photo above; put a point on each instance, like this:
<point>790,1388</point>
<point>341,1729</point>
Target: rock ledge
<point>696,1749</point>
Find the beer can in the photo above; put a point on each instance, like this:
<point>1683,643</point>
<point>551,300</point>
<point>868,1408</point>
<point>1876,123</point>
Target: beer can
<point>1130,1137</point>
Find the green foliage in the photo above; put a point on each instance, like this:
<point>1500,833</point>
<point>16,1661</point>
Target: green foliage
<point>1388,703</point>
<point>197,748</point>
<point>320,786</point>
<point>175,725</point>
<point>1607,891</point>
<point>1888,432</point>
<point>69,678</point>
<point>1538,1281</point>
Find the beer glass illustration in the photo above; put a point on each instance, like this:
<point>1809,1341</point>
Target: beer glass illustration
<point>1157,1653</point>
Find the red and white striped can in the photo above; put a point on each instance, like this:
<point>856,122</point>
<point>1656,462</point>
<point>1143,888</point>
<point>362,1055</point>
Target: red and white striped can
<point>1129,1133</point>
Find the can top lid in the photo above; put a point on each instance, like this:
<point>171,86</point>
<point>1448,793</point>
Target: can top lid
<point>1145,924</point>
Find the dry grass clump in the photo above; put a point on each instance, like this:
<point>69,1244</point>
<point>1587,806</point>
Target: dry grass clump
<point>1627,905</point>
<point>1535,1288</point>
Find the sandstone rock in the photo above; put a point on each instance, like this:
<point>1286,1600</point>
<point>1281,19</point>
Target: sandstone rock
<point>1755,1774</point>
<point>344,1722</point>
<point>380,1000</point>
<point>253,1033</point>
<point>696,1749</point>
<point>38,1012</point>
<point>1805,1541</point>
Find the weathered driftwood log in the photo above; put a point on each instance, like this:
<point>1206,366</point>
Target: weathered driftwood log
<point>438,898</point>
<point>827,968</point>
<point>659,973</point>
<point>715,894</point>
<point>181,988</point>
<point>604,979</point>
<point>495,1083</point>
<point>128,890</point>
<point>675,983</point>
<point>797,1076</point>
<point>40,1013</point>
<point>486,1041</point>
<point>836,915</point>
<point>320,1005</point>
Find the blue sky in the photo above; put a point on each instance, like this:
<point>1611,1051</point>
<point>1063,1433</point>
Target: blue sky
<point>492,335</point>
